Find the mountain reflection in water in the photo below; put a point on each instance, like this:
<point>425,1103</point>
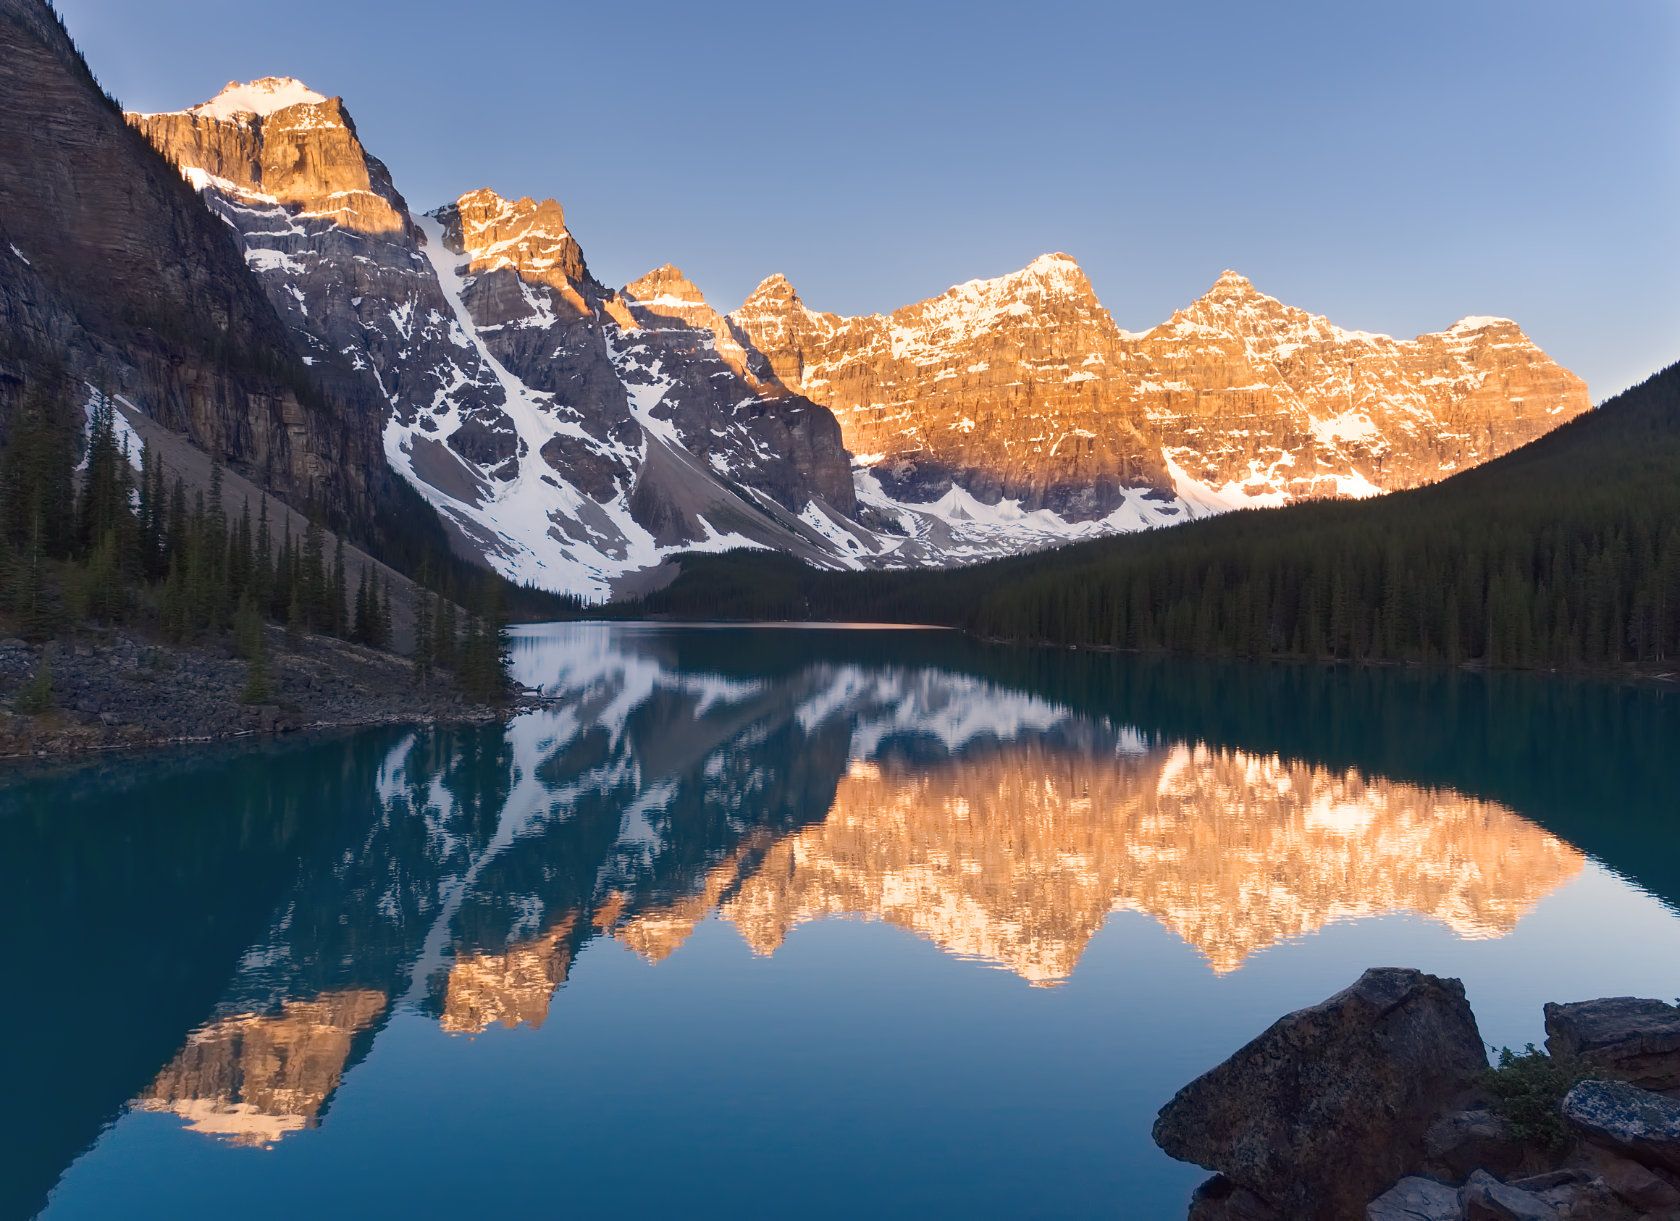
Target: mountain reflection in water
<point>995,824</point>
<point>997,805</point>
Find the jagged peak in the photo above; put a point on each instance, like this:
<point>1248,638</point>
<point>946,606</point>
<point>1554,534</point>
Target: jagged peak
<point>1479,322</point>
<point>1054,274</point>
<point>488,203</point>
<point>665,283</point>
<point>1233,284</point>
<point>261,97</point>
<point>1234,290</point>
<point>1054,263</point>
<point>774,287</point>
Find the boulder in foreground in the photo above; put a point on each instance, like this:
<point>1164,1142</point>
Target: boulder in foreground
<point>1329,1106</point>
<point>1627,1120</point>
<point>1631,1038</point>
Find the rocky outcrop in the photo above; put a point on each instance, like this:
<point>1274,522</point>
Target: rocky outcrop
<point>1630,1038</point>
<point>1628,1120</point>
<point>281,139</point>
<point>1330,1106</point>
<point>1415,1199</point>
<point>1277,1121</point>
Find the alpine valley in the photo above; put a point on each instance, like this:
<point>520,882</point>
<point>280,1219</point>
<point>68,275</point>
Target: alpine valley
<point>577,437</point>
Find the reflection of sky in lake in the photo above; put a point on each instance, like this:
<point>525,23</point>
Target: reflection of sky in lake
<point>758,922</point>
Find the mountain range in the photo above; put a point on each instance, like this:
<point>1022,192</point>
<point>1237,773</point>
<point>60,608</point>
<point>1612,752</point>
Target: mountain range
<point>577,437</point>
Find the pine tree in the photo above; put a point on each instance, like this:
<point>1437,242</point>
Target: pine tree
<point>424,645</point>
<point>36,696</point>
<point>387,630</point>
<point>363,631</point>
<point>262,564</point>
<point>253,648</point>
<point>338,610</point>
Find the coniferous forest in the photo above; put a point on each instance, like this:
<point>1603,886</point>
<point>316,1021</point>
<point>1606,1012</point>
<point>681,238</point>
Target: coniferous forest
<point>1563,554</point>
<point>89,541</point>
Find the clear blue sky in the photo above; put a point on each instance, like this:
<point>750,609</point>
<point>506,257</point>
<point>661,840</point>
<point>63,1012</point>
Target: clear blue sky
<point>1394,166</point>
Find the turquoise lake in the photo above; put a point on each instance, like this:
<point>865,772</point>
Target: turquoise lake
<point>768,922</point>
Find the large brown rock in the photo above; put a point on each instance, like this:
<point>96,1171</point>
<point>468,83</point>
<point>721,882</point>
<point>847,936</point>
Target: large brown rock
<point>1329,1106</point>
<point>1634,1039</point>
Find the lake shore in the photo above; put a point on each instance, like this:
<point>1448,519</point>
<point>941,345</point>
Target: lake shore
<point>119,691</point>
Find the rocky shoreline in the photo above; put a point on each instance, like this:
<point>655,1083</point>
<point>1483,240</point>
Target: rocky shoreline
<point>118,691</point>
<point>1378,1104</point>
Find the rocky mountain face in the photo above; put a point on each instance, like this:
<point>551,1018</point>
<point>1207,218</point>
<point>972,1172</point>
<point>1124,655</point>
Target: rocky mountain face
<point>113,273</point>
<point>1023,388</point>
<point>1003,388</point>
<point>1268,403</point>
<point>577,436</point>
<point>571,434</point>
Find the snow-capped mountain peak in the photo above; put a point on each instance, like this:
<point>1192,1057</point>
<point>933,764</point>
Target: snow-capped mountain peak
<point>261,97</point>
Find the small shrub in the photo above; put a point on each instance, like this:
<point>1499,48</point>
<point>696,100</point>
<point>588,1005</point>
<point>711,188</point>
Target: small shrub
<point>1528,1090</point>
<point>36,696</point>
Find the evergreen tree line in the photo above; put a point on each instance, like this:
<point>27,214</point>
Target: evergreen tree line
<point>104,544</point>
<point>1563,554</point>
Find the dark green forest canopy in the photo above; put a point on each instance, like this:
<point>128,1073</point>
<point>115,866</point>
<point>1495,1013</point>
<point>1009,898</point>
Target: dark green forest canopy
<point>1565,553</point>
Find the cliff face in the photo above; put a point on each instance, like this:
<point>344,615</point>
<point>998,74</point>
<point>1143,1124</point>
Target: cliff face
<point>108,260</point>
<point>331,241</point>
<point>1270,403</point>
<point>1023,388</point>
<point>1003,387</point>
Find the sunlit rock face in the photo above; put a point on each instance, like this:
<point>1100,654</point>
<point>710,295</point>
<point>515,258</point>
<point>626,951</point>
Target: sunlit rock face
<point>278,138</point>
<point>1264,402</point>
<point>338,253</point>
<point>1002,387</point>
<point>508,989</point>
<point>1023,388</point>
<point>254,1078</point>
<point>1018,857</point>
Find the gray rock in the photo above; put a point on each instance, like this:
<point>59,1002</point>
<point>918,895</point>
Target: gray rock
<point>1460,1142</point>
<point>1589,1198</point>
<point>1485,1198</point>
<point>1219,1199</point>
<point>1415,1199</point>
<point>1330,1105</point>
<point>1647,1191</point>
<point>1628,1120</point>
<point>1630,1037</point>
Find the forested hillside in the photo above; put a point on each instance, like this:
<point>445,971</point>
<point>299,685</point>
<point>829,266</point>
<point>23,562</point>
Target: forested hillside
<point>1565,553</point>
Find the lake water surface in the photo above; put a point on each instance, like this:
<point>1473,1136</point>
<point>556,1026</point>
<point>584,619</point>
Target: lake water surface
<point>771,922</point>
